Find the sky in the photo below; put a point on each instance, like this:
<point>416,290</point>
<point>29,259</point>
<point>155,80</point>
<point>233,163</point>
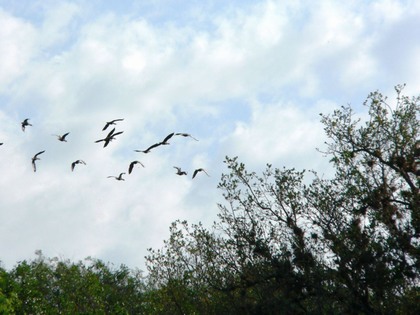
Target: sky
<point>246,78</point>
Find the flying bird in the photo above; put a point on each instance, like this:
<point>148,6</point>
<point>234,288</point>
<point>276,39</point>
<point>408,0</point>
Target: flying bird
<point>62,138</point>
<point>131,166</point>
<point>185,135</point>
<point>35,157</point>
<point>199,170</point>
<point>149,148</point>
<point>179,171</point>
<point>165,141</point>
<point>110,136</point>
<point>25,123</point>
<point>110,133</point>
<point>77,162</point>
<point>108,140</point>
<point>119,177</point>
<point>112,122</point>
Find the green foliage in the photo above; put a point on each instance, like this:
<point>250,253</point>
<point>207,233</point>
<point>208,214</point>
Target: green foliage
<point>51,286</point>
<point>6,299</point>
<point>349,244</point>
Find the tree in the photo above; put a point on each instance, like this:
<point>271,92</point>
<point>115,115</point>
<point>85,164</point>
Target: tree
<point>348,244</point>
<point>7,299</point>
<point>53,286</point>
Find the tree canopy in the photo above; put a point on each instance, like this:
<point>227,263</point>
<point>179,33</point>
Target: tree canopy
<point>54,286</point>
<point>347,244</point>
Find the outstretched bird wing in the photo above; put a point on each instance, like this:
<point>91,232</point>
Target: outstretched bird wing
<point>110,133</point>
<point>106,126</point>
<point>112,137</point>
<point>77,162</point>
<point>116,134</point>
<point>149,148</point>
<point>185,135</point>
<point>130,168</point>
<point>107,141</point>
<point>36,155</point>
<point>112,122</point>
<point>167,138</point>
<point>199,170</point>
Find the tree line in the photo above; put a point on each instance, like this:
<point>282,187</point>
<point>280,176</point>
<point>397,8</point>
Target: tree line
<point>282,244</point>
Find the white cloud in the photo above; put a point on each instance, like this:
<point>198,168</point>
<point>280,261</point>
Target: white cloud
<point>57,25</point>
<point>282,134</point>
<point>17,47</point>
<point>388,11</point>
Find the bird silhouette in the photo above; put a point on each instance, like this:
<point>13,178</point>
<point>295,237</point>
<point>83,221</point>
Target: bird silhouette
<point>179,171</point>
<point>112,122</point>
<point>185,135</point>
<point>165,141</point>
<point>35,157</point>
<point>110,136</point>
<point>149,148</point>
<point>77,162</point>
<point>108,140</point>
<point>131,166</point>
<point>25,123</point>
<point>199,170</point>
<point>119,177</point>
<point>62,138</point>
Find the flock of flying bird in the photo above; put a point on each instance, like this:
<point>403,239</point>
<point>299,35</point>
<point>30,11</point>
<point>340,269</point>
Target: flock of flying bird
<point>110,137</point>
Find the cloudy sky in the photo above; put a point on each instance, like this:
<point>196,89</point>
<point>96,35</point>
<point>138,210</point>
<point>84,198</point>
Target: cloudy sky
<point>246,78</point>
